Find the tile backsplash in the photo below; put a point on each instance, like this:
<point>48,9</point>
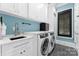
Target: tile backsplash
<point>24,25</point>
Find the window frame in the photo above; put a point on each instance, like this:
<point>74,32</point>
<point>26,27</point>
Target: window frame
<point>70,22</point>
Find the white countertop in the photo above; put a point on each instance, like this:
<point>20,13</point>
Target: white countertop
<point>6,39</point>
<point>38,32</point>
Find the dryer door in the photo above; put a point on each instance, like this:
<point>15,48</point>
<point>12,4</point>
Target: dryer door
<point>44,47</point>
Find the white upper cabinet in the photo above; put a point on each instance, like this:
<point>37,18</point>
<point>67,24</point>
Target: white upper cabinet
<point>41,12</point>
<point>51,16</point>
<point>38,11</point>
<point>21,9</point>
<point>8,7</point>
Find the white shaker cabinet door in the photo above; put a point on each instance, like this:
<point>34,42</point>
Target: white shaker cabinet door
<point>24,50</point>
<point>8,7</point>
<point>38,12</point>
<point>28,49</point>
<point>21,9</point>
<point>35,45</point>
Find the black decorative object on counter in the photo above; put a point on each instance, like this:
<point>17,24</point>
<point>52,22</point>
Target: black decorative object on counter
<point>44,27</point>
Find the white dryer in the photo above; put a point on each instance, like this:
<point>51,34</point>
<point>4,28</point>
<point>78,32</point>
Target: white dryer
<point>43,44</point>
<point>52,42</point>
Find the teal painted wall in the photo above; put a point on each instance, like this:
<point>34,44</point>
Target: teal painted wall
<point>62,8</point>
<point>11,20</point>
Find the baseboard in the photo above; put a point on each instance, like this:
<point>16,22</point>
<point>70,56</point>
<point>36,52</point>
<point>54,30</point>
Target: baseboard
<point>66,43</point>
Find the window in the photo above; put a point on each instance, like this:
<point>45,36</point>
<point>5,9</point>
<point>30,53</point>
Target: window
<point>65,23</point>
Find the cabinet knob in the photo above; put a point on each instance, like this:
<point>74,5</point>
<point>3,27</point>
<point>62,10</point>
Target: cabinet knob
<point>77,33</point>
<point>24,50</point>
<point>20,52</point>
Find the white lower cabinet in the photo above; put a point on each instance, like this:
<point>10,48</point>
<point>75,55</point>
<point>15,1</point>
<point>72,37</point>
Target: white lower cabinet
<point>21,48</point>
<point>24,49</point>
<point>34,45</point>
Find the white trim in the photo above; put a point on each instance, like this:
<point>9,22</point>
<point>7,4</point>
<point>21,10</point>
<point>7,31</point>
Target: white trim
<point>66,43</point>
<point>58,5</point>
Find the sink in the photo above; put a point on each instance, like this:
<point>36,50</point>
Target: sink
<point>19,37</point>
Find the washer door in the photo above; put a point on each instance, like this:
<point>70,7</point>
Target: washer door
<point>44,47</point>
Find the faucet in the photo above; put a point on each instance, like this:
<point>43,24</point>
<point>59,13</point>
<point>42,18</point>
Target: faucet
<point>16,31</point>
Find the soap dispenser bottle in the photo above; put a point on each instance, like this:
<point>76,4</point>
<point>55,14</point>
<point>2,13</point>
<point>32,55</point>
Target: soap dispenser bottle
<point>0,27</point>
<point>3,27</point>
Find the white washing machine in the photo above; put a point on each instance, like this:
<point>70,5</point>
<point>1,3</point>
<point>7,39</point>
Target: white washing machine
<point>43,44</point>
<point>52,42</point>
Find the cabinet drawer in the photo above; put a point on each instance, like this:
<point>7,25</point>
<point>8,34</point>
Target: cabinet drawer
<point>23,50</point>
<point>9,46</point>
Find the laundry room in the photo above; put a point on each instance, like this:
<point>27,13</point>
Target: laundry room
<point>39,29</point>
